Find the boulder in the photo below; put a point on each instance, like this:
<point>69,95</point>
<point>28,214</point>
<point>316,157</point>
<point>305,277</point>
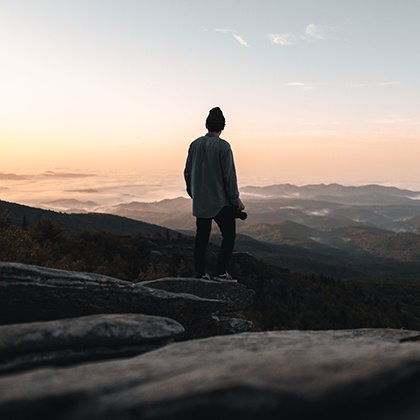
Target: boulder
<point>31,293</point>
<point>236,325</point>
<point>76,340</point>
<point>361,374</point>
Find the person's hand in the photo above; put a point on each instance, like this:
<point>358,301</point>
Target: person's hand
<point>241,206</point>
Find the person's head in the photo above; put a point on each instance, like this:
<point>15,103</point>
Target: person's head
<point>215,122</point>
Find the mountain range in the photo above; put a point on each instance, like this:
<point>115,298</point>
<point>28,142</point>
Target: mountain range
<point>336,230</point>
<point>325,229</point>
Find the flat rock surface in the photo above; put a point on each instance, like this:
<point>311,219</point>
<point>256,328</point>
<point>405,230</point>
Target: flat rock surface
<point>76,339</point>
<point>236,295</point>
<point>360,374</point>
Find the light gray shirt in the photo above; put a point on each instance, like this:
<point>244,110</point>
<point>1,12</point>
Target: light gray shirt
<point>210,176</point>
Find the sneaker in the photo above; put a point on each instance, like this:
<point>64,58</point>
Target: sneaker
<point>225,277</point>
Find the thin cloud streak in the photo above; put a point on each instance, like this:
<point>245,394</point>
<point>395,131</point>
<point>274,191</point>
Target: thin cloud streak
<point>320,32</point>
<point>312,33</point>
<point>235,35</point>
<point>280,39</point>
<point>240,40</point>
<point>224,30</point>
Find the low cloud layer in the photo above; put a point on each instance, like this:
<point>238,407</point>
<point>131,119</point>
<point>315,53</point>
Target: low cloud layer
<point>52,174</point>
<point>40,190</point>
<point>11,177</point>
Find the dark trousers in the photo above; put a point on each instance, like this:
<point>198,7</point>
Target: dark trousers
<point>225,219</point>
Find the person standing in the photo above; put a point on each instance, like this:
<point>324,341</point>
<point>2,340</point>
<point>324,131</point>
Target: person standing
<point>211,182</point>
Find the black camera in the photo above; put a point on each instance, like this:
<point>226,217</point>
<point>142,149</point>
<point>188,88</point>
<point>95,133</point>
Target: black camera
<point>239,214</point>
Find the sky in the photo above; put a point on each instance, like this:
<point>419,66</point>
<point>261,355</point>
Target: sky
<point>112,92</point>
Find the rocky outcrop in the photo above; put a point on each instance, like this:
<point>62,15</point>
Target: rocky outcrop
<point>73,317</point>
<point>75,340</point>
<point>361,374</point>
<point>236,297</point>
<point>31,293</point>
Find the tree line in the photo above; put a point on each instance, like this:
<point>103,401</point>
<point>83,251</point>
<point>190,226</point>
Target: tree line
<point>47,244</point>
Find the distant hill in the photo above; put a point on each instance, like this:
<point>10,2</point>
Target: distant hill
<point>20,215</point>
<point>285,232</point>
<point>174,213</point>
<point>72,205</point>
<point>368,194</point>
<point>319,259</point>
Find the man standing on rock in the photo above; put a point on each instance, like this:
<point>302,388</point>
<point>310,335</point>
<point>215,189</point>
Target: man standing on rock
<point>210,176</point>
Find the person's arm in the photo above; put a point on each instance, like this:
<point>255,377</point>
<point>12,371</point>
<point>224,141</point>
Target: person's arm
<point>229,178</point>
<point>187,173</point>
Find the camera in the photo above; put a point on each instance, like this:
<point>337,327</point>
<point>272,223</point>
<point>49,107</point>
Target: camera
<point>239,214</point>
